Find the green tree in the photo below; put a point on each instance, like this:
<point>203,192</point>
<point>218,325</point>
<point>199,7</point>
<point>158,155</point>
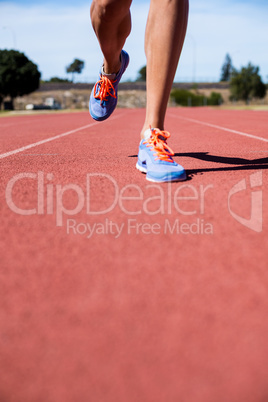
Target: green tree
<point>18,75</point>
<point>247,84</point>
<point>184,97</point>
<point>215,99</point>
<point>75,67</point>
<point>227,69</point>
<point>58,80</point>
<point>142,74</point>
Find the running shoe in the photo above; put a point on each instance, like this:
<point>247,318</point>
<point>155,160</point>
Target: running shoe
<point>103,98</point>
<point>155,158</point>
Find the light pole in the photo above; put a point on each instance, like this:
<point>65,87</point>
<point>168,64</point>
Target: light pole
<point>13,35</point>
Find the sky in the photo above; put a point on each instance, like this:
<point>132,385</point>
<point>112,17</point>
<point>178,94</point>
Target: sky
<point>52,34</point>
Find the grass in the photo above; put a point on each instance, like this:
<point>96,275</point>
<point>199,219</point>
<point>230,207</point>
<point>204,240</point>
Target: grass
<point>9,113</point>
<point>245,107</point>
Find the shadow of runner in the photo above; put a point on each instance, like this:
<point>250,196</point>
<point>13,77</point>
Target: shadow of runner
<point>192,172</point>
<point>245,164</point>
<point>205,156</point>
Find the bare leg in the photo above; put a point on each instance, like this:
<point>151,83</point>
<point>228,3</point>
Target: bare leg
<point>164,38</point>
<point>111,22</point>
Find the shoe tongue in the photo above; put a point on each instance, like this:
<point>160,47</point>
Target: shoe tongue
<point>161,137</point>
<point>148,132</point>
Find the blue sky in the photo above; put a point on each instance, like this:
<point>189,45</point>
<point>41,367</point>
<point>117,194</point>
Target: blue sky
<point>52,34</point>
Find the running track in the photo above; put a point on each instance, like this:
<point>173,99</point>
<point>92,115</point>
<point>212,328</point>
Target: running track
<point>172,308</point>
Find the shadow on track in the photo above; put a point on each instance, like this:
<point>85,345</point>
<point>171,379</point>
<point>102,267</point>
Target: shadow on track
<point>244,164</point>
<point>204,156</point>
<point>247,164</point>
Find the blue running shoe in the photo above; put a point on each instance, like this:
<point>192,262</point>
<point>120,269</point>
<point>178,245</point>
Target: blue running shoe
<point>103,98</point>
<point>155,158</point>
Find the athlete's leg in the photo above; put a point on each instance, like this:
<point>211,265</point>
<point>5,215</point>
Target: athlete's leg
<point>111,22</point>
<point>164,38</point>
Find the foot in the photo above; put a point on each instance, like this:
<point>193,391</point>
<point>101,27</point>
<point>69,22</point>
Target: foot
<point>155,158</point>
<point>103,98</point>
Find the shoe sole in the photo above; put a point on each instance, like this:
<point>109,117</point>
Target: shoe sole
<point>166,179</point>
<point>140,168</point>
<point>96,118</point>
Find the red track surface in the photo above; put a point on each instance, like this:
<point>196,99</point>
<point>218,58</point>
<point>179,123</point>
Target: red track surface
<point>148,314</point>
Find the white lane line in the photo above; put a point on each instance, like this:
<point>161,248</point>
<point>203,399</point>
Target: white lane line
<point>220,128</point>
<point>7,124</point>
<point>35,144</point>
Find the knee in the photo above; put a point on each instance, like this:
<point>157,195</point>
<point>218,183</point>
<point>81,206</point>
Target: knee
<point>111,10</point>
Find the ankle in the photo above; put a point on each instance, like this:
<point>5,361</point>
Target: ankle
<point>111,67</point>
<point>153,123</point>
<point>147,127</point>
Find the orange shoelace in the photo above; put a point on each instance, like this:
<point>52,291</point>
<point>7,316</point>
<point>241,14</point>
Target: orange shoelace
<point>106,89</point>
<point>158,142</point>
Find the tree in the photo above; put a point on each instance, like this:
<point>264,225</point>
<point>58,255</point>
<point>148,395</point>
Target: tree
<point>75,67</point>
<point>58,80</point>
<point>142,74</point>
<point>227,69</point>
<point>18,75</point>
<point>247,83</point>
